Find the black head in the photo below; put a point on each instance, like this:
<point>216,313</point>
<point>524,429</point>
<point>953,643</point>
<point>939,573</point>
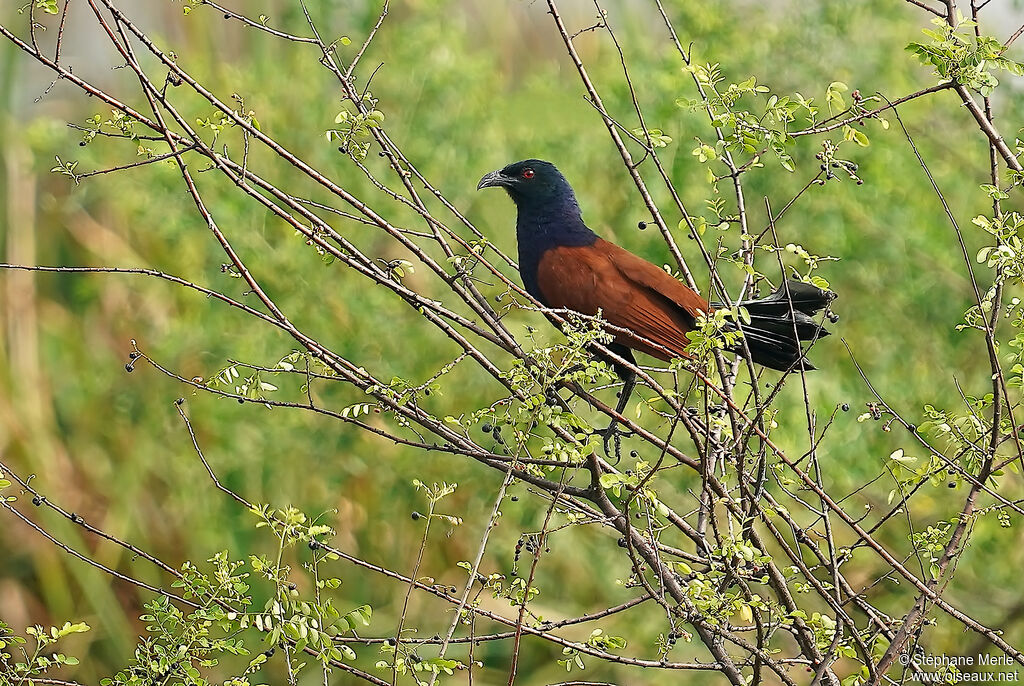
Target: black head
<point>547,213</point>
<point>531,182</point>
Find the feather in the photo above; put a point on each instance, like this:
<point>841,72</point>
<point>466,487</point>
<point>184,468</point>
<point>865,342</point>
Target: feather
<point>781,322</point>
<point>630,293</point>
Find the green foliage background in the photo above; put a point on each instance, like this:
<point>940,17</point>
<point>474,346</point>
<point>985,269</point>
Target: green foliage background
<point>466,87</point>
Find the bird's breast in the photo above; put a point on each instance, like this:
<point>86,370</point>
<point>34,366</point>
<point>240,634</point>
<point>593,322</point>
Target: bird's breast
<point>544,240</point>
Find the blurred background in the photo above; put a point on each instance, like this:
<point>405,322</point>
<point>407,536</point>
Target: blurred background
<point>467,87</point>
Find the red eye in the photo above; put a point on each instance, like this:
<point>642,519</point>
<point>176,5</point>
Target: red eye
<point>528,174</point>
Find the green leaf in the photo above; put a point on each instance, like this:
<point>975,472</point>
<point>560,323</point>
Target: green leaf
<point>898,456</point>
<point>69,628</point>
<point>834,96</point>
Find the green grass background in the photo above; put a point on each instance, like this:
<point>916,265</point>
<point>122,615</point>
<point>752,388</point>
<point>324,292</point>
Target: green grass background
<point>466,87</point>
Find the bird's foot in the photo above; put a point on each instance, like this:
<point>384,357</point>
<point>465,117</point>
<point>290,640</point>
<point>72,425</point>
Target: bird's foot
<point>612,437</point>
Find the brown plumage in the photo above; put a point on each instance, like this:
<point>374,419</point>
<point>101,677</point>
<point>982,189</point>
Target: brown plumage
<point>630,292</point>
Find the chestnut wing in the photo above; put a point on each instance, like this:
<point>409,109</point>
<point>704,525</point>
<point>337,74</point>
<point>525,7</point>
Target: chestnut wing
<point>629,291</point>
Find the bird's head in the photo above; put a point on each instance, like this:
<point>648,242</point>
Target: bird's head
<point>532,183</point>
<point>548,214</point>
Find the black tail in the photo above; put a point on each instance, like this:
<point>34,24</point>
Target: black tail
<point>777,329</point>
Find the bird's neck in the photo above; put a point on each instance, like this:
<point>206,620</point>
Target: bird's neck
<point>541,229</point>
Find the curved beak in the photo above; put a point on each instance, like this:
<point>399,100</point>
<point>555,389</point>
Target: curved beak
<point>493,179</point>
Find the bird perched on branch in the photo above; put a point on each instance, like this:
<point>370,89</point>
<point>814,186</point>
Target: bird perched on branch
<point>566,265</point>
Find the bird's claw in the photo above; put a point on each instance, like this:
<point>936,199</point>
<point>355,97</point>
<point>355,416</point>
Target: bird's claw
<point>612,438</point>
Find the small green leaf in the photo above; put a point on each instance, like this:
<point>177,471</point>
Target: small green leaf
<point>898,456</point>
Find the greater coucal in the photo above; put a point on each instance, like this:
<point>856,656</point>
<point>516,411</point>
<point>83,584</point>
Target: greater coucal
<point>566,265</point>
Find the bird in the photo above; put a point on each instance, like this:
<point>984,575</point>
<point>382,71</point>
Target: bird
<point>566,265</point>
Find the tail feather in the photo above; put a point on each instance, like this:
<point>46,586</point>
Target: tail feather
<point>777,328</point>
<point>806,298</point>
